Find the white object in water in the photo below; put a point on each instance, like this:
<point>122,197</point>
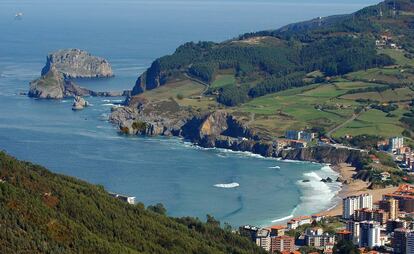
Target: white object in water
<point>227,185</point>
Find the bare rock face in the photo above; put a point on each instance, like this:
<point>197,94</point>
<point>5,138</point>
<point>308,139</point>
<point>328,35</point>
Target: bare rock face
<point>49,86</point>
<point>79,103</point>
<point>76,63</point>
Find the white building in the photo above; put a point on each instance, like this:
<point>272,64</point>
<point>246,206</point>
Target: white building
<point>410,243</point>
<point>370,234</point>
<point>395,143</point>
<point>352,203</point>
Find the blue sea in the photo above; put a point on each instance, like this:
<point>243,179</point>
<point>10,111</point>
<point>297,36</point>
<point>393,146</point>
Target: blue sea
<point>131,34</point>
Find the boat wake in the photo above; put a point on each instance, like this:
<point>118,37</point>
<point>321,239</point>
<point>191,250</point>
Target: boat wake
<point>227,185</point>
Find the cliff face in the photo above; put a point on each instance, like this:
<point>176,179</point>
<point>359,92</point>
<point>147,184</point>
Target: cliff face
<point>53,85</point>
<point>49,86</point>
<point>76,63</point>
<point>324,154</point>
<point>216,129</point>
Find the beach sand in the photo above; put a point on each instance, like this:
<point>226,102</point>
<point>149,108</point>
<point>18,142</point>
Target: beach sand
<point>355,187</point>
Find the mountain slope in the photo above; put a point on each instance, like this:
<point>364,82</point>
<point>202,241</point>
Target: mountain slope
<point>270,61</point>
<point>42,212</point>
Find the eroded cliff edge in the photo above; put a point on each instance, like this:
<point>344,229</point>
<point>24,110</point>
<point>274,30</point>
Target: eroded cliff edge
<point>217,129</point>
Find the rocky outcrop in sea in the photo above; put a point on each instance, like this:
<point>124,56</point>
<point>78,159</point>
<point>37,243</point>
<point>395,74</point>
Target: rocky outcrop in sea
<point>76,63</point>
<point>79,103</point>
<point>56,81</point>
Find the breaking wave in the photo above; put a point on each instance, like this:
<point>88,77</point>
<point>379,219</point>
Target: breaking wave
<point>227,185</point>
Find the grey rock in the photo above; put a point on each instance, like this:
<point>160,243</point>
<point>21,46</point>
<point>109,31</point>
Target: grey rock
<point>79,103</point>
<point>76,63</point>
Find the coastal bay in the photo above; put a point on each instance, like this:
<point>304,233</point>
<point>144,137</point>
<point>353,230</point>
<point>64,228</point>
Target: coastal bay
<point>85,145</point>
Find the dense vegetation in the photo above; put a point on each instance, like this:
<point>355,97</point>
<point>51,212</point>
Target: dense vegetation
<point>276,60</point>
<point>42,212</point>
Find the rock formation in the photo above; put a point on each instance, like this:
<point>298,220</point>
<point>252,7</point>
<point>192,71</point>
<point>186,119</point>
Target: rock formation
<point>79,103</point>
<point>49,86</point>
<point>76,63</point>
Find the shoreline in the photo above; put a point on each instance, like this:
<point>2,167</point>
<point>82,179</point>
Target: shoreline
<point>353,187</point>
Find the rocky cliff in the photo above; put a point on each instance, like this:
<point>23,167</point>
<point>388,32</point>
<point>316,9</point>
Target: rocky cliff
<point>76,63</point>
<point>53,85</point>
<point>216,129</point>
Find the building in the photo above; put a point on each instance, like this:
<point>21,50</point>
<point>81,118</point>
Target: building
<point>352,203</point>
<point>282,243</point>
<point>300,135</point>
<point>315,237</point>
<point>391,207</point>
<point>370,234</point>
<point>395,143</point>
<point>366,214</point>
<point>394,224</point>
<point>405,196</point>
<point>318,217</point>
<point>249,231</point>
<point>299,221</point>
<point>353,227</point>
<point>277,230</point>
<point>344,235</point>
<point>410,243</point>
<point>399,241</point>
<point>127,199</point>
<point>263,239</point>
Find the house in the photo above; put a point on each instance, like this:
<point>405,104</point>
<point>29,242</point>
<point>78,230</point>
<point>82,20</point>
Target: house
<point>385,176</point>
<point>127,199</point>
<point>277,230</point>
<point>318,217</point>
<point>299,221</point>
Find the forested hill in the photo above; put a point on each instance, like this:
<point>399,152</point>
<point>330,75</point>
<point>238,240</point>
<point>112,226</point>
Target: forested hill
<point>270,61</point>
<point>42,212</point>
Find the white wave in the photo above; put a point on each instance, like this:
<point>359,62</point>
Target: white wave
<point>314,191</point>
<point>292,214</point>
<point>108,104</point>
<point>227,185</point>
<point>275,167</point>
<point>283,219</point>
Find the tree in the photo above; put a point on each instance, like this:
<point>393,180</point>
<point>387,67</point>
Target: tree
<point>158,208</point>
<point>345,247</point>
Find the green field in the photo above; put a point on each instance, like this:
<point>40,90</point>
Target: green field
<point>400,94</point>
<point>373,122</point>
<point>399,56</point>
<point>223,80</point>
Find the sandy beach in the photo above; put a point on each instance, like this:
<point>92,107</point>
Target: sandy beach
<point>355,187</point>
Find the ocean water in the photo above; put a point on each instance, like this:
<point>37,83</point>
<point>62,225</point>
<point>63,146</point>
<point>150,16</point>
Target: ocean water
<point>238,188</point>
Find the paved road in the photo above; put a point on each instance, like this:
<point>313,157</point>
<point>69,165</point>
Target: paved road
<point>329,133</point>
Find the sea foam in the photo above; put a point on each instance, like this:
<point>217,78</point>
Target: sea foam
<point>227,185</point>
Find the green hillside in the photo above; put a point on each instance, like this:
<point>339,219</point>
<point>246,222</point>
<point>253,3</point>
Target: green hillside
<point>315,74</point>
<point>42,212</point>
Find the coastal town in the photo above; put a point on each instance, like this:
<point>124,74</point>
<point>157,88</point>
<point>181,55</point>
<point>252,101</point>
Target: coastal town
<point>385,226</point>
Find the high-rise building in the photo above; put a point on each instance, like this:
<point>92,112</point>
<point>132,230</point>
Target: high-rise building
<point>352,203</point>
<point>399,241</point>
<point>395,143</point>
<point>366,214</point>
<point>394,224</point>
<point>282,243</point>
<point>353,227</point>
<point>405,196</point>
<point>391,207</point>
<point>370,234</point>
<point>410,243</point>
